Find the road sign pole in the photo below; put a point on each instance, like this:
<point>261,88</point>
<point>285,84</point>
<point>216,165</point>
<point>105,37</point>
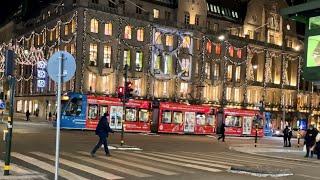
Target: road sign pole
<point>10,124</point>
<point>124,99</point>
<point>58,117</point>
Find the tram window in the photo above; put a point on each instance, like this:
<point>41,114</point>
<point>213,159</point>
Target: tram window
<point>233,121</point>
<point>166,117</point>
<point>177,117</point>
<point>103,109</point>
<point>74,107</point>
<point>201,119</point>
<point>257,120</point>
<point>131,114</point>
<point>143,115</point>
<point>211,120</point>
<point>93,111</point>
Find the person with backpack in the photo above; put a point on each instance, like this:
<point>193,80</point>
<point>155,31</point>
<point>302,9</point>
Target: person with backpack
<point>103,129</point>
<point>310,139</point>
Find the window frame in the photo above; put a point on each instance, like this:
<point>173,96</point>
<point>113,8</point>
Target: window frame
<point>96,117</point>
<point>163,115</point>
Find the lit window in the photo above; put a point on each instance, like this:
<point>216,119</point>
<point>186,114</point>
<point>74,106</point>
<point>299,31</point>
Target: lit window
<point>66,29</point>
<point>238,70</point>
<point>107,56</point>
<point>108,29</point>
<point>127,32</point>
<point>207,70</point>
<point>126,57</point>
<point>239,53</point>
<point>236,14</point>
<point>169,40</point>
<point>156,65</point>
<point>209,47</point>
<point>156,13</point>
<point>237,95</point>
<point>93,54</point>
<point>73,26</point>
<point>38,39</point>
<point>165,87</point>
<point>229,73</point>
<point>168,64</point>
<point>140,34</point>
<point>185,67</point>
<point>216,71</point>
<point>157,38</point>
<point>233,14</point>
<point>186,18</point>
<point>72,49</point>
<point>208,7</point>
<point>183,87</point>
<point>215,9</point>
<point>51,35</point>
<point>186,42</point>
<point>231,51</point>
<point>218,9</point>
<point>218,49</point>
<point>211,7</point>
<point>228,94</point>
<point>139,59</point>
<point>94,25</point>
<point>106,84</point>
<point>92,82</point>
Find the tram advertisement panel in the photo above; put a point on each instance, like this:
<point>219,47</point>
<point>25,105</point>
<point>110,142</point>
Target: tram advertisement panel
<point>247,125</point>
<point>116,114</point>
<point>189,122</point>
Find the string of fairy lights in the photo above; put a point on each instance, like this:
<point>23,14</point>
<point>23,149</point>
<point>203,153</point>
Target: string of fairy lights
<point>181,51</point>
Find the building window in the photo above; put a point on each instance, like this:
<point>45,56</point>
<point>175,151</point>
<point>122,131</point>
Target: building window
<point>66,29</point>
<point>157,38</point>
<point>156,65</point>
<point>216,70</point>
<point>139,59</point>
<point>238,70</point>
<point>168,64</point>
<point>126,57</point>
<point>196,20</point>
<point>72,49</point>
<point>218,49</point>
<point>184,88</point>
<point>51,35</point>
<point>140,34</point>
<point>169,40</point>
<point>156,13</point>
<point>107,56</point>
<point>237,95</point>
<point>215,27</point>
<point>185,67</point>
<point>95,1</point>
<point>231,51</point>
<point>186,18</point>
<point>94,25</point>
<point>93,54</point>
<point>137,87</point>
<point>271,39</point>
<point>289,43</point>
<point>207,70</point>
<point>73,26</point>
<point>228,93</point>
<point>108,29</point>
<point>127,32</point>
<point>139,9</point>
<point>167,15</point>
<point>106,84</point>
<point>186,42</point>
<point>92,82</point>
<point>229,73</point>
<point>209,47</point>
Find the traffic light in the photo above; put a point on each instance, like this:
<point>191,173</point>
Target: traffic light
<point>128,90</point>
<point>120,91</point>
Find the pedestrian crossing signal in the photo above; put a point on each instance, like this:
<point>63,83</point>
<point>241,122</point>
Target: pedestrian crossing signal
<point>120,91</point>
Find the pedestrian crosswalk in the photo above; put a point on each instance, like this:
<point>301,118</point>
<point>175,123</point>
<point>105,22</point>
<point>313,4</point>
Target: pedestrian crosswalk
<point>80,165</point>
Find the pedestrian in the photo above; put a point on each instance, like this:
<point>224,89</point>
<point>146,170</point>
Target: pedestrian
<point>285,136</point>
<point>102,131</point>
<point>310,139</point>
<point>50,116</point>
<point>28,115</point>
<point>289,137</point>
<point>317,148</point>
<point>222,130</point>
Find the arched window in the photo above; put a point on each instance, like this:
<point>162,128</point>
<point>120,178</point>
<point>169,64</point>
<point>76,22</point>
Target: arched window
<point>94,25</point>
<point>127,32</point>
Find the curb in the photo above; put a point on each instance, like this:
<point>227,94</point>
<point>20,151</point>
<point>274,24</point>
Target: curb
<point>123,148</point>
<point>276,157</point>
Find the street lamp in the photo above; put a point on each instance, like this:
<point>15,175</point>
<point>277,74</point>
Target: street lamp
<point>221,37</point>
<point>255,67</point>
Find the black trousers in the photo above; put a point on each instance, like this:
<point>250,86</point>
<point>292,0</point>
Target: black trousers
<point>222,137</point>
<point>285,141</point>
<point>308,151</point>
<point>102,140</point>
<point>289,141</point>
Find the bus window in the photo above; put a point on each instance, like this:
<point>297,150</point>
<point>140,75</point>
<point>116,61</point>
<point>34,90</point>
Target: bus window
<point>177,117</point>
<point>93,111</point>
<point>257,120</point>
<point>103,109</point>
<point>211,120</point>
<point>233,121</point>
<point>74,107</point>
<point>131,114</point>
<point>201,119</point>
<point>166,117</point>
<point>143,115</point>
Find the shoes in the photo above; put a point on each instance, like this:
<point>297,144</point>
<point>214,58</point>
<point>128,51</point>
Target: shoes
<point>92,154</point>
<point>306,156</point>
<point>109,155</point>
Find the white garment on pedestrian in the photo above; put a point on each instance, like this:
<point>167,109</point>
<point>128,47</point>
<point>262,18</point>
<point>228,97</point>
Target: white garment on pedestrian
<point>318,137</point>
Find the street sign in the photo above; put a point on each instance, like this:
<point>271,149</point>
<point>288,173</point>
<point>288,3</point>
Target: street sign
<point>2,104</point>
<point>68,66</point>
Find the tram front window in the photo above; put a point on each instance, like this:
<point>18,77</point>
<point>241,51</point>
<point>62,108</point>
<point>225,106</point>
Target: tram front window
<point>73,108</point>
<point>259,121</point>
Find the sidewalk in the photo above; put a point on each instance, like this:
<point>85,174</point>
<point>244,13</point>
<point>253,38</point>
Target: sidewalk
<point>22,118</point>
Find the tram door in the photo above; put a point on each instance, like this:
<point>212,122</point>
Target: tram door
<point>189,122</point>
<point>116,116</point>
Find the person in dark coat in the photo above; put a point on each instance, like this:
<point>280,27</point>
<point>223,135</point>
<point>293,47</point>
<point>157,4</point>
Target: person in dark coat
<point>310,139</point>
<point>103,129</point>
<point>289,137</point>
<point>28,115</point>
<point>285,136</point>
<point>222,130</point>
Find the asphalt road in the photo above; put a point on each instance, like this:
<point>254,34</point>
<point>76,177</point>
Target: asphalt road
<point>164,156</point>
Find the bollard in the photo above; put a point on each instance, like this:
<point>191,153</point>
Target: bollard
<point>256,137</point>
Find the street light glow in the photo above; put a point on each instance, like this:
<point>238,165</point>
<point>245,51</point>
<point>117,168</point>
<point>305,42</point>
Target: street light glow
<point>255,66</point>
<point>221,37</point>
<point>297,48</point>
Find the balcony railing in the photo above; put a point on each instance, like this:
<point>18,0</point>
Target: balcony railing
<point>103,8</point>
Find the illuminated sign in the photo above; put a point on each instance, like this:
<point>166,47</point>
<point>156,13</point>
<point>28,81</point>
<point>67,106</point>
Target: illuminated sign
<point>313,52</point>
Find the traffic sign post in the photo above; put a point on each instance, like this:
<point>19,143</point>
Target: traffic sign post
<point>64,72</point>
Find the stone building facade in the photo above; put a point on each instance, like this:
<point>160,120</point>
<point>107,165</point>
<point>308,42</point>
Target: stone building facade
<point>232,53</point>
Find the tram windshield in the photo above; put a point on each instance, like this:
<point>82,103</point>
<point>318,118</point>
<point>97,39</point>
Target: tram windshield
<point>73,107</point>
<point>259,121</point>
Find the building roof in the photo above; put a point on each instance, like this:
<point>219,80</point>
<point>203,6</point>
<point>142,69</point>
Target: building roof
<point>229,10</point>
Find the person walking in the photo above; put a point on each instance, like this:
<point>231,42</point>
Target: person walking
<point>103,129</point>
<point>285,136</point>
<point>317,148</point>
<point>28,115</point>
<point>310,139</point>
<point>222,130</point>
<point>289,136</point>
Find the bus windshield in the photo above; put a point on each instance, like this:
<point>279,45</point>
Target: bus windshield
<point>73,107</point>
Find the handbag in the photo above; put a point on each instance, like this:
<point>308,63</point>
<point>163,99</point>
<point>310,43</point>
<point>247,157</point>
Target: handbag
<point>304,148</point>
